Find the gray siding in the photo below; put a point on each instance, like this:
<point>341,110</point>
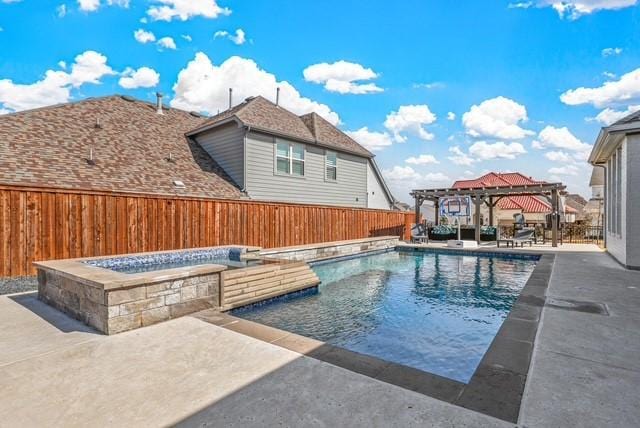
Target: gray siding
<point>263,183</point>
<point>225,145</point>
<point>631,216</point>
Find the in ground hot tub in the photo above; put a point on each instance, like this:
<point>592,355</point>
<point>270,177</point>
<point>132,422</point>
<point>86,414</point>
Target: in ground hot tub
<point>119,293</point>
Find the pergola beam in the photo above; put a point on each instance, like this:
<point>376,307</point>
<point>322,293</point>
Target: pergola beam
<point>530,189</point>
<point>492,195</point>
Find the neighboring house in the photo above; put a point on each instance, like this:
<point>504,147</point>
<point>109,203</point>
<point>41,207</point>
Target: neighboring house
<point>534,208</point>
<point>617,150</point>
<point>254,150</point>
<point>578,203</point>
<point>114,143</point>
<point>594,209</point>
<point>275,155</point>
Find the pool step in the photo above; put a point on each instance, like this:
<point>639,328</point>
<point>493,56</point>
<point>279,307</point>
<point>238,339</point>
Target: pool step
<point>245,286</point>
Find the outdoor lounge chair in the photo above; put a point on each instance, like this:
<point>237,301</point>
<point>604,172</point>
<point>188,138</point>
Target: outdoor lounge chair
<point>419,234</point>
<point>521,237</point>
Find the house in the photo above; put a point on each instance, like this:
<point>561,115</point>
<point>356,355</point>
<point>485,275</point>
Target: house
<point>116,144</point>
<point>594,209</point>
<point>578,203</point>
<point>255,150</point>
<point>272,154</point>
<point>617,152</point>
<point>534,208</point>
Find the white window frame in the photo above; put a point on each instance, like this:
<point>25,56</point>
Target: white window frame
<point>289,158</point>
<point>327,166</point>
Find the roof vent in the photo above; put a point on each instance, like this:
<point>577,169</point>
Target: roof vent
<point>246,100</point>
<point>127,98</point>
<point>159,102</point>
<point>195,114</point>
<point>179,184</point>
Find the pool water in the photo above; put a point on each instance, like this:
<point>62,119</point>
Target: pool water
<point>231,264</point>
<point>432,311</point>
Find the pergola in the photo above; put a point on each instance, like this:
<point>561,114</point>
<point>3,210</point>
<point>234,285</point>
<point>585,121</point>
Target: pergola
<point>490,195</point>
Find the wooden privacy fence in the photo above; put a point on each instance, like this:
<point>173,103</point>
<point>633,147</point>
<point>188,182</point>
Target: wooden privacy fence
<point>44,224</point>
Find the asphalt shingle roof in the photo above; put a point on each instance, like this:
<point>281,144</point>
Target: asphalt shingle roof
<point>633,117</point>
<point>49,147</point>
<point>261,114</point>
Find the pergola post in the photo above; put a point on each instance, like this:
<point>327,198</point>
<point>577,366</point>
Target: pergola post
<point>554,218</point>
<point>491,205</point>
<point>417,208</point>
<point>477,201</point>
<point>436,207</point>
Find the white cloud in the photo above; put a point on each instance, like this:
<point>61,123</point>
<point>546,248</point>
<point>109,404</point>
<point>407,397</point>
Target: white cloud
<point>62,64</point>
<point>403,179</point>
<point>520,5</point>
<point>93,5</point>
<point>574,9</point>
<point>558,156</point>
<point>144,36</point>
<point>187,37</point>
<point>144,77</point>
<point>410,119</point>
<point>239,37</point>
<point>342,77</point>
<point>89,5</point>
<point>203,86</point>
<point>459,157</point>
<point>498,117</point>
<point>565,170</point>
<point>611,51</point>
<point>451,116</point>
<point>431,85</point>
<point>486,151</point>
<point>422,160</point>
<point>167,10</point>
<point>560,138</point>
<point>372,140</point>
<point>61,10</point>
<point>55,87</point>
<point>621,91</point>
<point>609,115</point>
<point>167,43</point>
<point>609,75</point>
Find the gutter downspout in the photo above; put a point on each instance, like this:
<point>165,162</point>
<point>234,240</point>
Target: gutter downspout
<point>247,129</point>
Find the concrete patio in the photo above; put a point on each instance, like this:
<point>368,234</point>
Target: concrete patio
<point>54,371</point>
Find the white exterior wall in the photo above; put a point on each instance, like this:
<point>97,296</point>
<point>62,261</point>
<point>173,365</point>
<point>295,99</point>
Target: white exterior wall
<point>376,195</point>
<point>617,242</point>
<point>631,198</point>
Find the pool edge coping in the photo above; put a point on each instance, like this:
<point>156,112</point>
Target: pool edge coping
<point>496,387</point>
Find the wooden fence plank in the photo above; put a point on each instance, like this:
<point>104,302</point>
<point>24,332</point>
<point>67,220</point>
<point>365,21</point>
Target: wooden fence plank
<point>54,224</point>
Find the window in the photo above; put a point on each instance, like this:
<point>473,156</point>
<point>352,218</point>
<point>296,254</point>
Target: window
<point>614,192</point>
<point>331,166</point>
<point>290,159</point>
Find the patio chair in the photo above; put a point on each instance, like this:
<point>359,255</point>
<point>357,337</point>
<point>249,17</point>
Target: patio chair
<point>419,234</point>
<point>520,237</point>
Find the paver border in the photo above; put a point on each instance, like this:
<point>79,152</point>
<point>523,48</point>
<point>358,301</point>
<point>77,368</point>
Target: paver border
<point>496,387</point>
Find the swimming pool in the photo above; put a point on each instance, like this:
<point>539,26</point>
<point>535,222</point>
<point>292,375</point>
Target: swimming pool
<point>434,311</point>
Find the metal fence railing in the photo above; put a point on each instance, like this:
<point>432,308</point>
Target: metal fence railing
<point>568,233</point>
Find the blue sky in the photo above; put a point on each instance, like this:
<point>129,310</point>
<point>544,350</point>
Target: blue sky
<point>471,86</point>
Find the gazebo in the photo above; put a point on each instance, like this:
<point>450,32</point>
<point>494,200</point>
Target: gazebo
<point>490,196</point>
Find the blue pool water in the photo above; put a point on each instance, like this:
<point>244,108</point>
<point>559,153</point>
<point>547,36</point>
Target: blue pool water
<point>432,311</point>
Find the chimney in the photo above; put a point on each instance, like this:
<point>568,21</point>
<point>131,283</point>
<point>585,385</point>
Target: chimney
<point>159,102</point>
<point>230,97</point>
<point>278,96</point>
